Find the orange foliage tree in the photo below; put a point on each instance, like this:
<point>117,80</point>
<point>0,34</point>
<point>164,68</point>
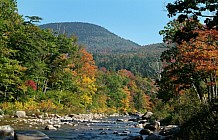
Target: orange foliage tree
<point>201,52</point>
<point>190,61</point>
<point>88,64</point>
<point>85,77</point>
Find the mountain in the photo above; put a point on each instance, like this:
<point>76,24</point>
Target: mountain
<point>94,37</point>
<point>111,51</point>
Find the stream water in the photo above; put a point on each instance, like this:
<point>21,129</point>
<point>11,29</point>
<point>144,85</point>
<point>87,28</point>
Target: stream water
<point>104,129</point>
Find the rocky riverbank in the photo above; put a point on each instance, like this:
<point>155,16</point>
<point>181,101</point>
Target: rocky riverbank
<point>84,126</point>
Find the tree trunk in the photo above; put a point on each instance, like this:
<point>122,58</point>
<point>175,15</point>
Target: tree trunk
<point>44,89</point>
<point>198,90</point>
<point>213,87</point>
<point>6,87</point>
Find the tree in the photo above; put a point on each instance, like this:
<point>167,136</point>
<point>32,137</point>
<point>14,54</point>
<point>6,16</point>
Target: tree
<point>10,68</point>
<point>206,9</point>
<point>190,39</point>
<point>84,75</point>
<point>33,47</point>
<point>88,66</point>
<point>11,74</point>
<point>61,60</point>
<point>202,53</point>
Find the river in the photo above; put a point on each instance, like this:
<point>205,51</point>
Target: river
<point>106,130</point>
<point>103,129</point>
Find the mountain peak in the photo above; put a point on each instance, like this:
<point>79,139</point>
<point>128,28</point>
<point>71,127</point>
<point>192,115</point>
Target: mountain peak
<point>91,35</point>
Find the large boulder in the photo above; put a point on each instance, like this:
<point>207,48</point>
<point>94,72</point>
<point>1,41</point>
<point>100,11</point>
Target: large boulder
<point>152,126</point>
<point>147,115</point>
<point>145,132</point>
<point>82,117</point>
<point>30,135</point>
<point>172,130</point>
<point>6,130</point>
<point>20,114</point>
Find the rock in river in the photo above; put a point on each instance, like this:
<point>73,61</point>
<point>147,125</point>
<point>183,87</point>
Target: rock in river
<point>152,137</point>
<point>30,135</point>
<point>145,132</point>
<point>133,138</point>
<point>50,127</point>
<point>6,130</point>
<point>147,115</point>
<point>20,114</point>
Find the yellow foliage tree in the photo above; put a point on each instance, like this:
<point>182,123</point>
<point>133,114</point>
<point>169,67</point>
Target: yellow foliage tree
<point>126,101</point>
<point>85,77</point>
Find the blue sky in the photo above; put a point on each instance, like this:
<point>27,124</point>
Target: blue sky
<point>136,20</point>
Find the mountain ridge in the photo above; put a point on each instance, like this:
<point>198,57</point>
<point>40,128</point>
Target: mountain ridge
<point>91,35</point>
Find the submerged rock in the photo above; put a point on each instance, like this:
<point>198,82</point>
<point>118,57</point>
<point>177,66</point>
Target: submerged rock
<point>30,135</point>
<point>133,138</point>
<point>152,137</point>
<point>103,133</point>
<point>120,120</point>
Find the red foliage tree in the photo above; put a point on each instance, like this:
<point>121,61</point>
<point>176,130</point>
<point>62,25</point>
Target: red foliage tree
<point>31,84</point>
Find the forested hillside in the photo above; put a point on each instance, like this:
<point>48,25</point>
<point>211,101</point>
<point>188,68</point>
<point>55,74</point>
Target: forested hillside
<point>143,61</point>
<point>94,37</point>
<point>111,51</point>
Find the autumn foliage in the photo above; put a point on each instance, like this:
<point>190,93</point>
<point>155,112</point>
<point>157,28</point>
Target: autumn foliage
<point>52,72</point>
<point>88,64</point>
<point>32,84</point>
<point>192,61</point>
<point>201,51</point>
